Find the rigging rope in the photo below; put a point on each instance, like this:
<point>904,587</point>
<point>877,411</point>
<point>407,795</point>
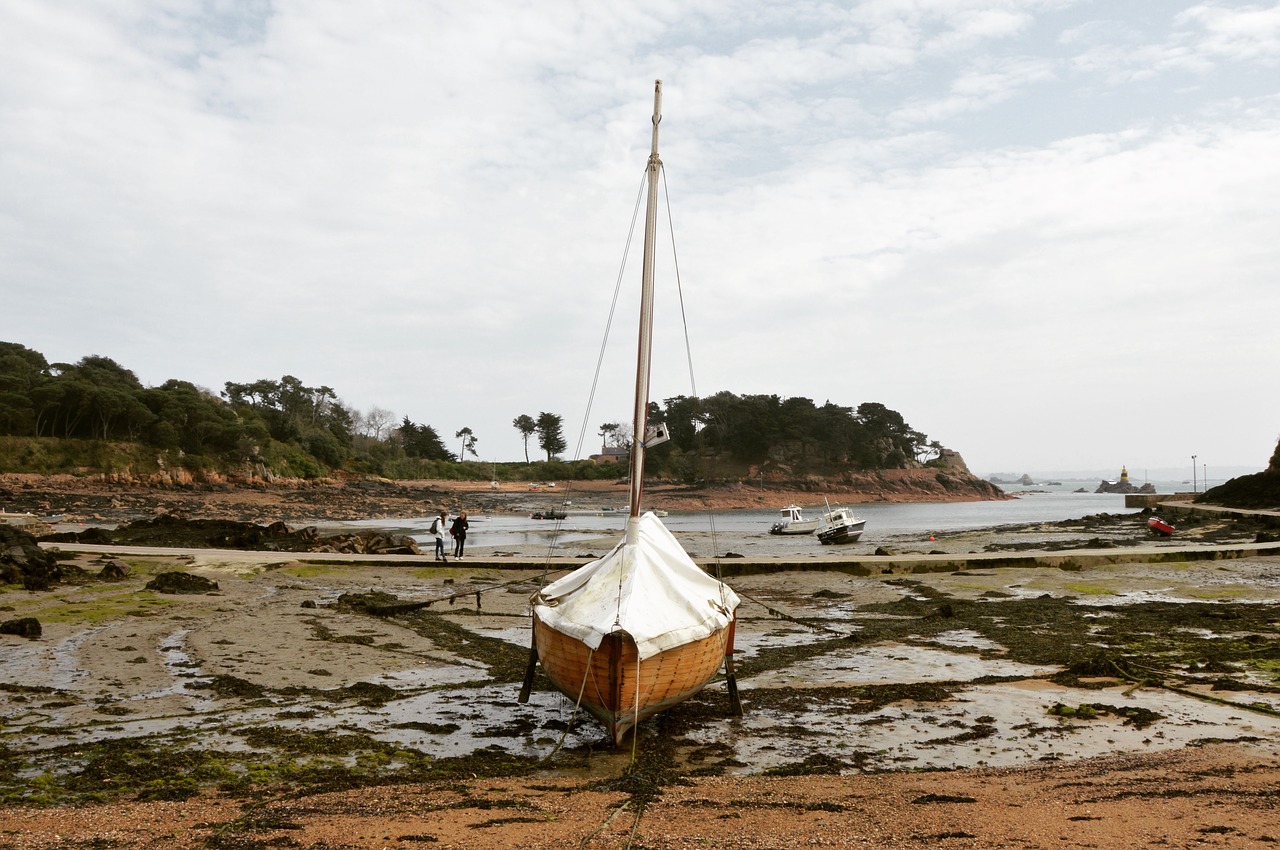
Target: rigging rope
<point>595,378</point>
<point>688,351</point>
<point>675,259</point>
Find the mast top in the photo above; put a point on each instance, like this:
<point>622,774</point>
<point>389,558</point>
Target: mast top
<point>657,117</point>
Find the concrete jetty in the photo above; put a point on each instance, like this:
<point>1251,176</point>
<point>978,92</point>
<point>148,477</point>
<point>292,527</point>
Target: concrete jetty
<point>851,563</point>
<point>1184,503</point>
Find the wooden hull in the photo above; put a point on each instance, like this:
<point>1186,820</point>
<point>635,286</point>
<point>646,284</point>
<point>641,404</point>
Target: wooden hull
<point>618,691</point>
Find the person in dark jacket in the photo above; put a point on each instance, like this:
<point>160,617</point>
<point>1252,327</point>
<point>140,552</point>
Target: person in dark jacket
<point>439,528</point>
<point>459,532</point>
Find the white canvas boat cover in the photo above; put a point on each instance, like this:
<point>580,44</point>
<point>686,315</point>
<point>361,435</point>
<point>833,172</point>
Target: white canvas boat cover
<point>650,589</point>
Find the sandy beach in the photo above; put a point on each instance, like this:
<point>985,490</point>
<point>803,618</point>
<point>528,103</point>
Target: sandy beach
<point>1126,705</point>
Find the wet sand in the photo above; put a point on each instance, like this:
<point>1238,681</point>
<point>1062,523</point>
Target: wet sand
<point>1213,796</point>
<point>937,709</point>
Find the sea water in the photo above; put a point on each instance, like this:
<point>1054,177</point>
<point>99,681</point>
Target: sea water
<point>596,525</point>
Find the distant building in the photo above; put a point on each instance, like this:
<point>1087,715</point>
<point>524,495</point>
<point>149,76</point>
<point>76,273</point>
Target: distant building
<point>612,454</point>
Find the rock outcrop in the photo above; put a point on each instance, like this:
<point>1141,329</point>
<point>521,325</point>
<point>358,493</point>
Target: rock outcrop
<point>23,562</point>
<point>1259,491</point>
<point>170,530</point>
<point>27,627</point>
<point>930,484</point>
<point>1124,485</point>
<point>180,582</point>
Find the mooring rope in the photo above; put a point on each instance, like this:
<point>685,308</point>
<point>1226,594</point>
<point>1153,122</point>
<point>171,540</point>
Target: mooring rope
<point>577,705</point>
<point>586,839</point>
<point>783,615</point>
<point>404,607</point>
<point>1186,692</point>
<point>693,382</point>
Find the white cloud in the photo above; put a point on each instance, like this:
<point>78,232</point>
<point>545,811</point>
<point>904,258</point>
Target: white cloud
<point>1247,34</point>
<point>424,206</point>
<point>976,90</point>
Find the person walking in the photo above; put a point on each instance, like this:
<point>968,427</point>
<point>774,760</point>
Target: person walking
<point>438,528</point>
<point>459,532</point>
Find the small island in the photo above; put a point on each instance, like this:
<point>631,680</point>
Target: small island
<point>1124,485</point>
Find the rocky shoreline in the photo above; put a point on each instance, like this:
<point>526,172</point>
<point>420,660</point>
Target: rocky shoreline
<point>98,499</point>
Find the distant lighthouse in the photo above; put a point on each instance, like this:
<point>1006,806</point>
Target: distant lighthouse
<point>1124,485</point>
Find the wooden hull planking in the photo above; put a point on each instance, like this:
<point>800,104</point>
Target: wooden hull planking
<point>610,691</point>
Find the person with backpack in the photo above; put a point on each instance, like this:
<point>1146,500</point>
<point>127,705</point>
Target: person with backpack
<point>458,531</point>
<point>438,528</point>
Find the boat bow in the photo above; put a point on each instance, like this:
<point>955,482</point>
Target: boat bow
<point>650,589</point>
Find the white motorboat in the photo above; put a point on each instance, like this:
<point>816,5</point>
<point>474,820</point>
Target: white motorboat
<point>839,525</point>
<point>793,522</point>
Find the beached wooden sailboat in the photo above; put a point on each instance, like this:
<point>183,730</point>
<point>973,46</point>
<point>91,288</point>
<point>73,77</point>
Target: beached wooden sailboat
<point>644,627</point>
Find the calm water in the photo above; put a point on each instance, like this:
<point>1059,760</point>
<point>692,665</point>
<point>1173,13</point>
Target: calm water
<point>588,526</point>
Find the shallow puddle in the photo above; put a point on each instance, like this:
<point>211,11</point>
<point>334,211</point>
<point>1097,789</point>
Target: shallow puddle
<point>982,725</point>
<point>898,664</point>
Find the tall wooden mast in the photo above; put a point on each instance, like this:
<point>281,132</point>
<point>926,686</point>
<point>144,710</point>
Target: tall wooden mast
<point>645,355</point>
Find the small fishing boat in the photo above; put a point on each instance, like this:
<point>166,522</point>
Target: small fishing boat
<point>644,627</point>
<point>793,522</point>
<point>1159,526</point>
<point>548,515</point>
<point>839,525</point>
<point>29,522</point>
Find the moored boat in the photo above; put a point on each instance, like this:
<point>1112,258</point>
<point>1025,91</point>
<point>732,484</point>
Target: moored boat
<point>839,525</point>
<point>643,628</point>
<point>793,522</point>
<point>1159,526</point>
<point>635,632</point>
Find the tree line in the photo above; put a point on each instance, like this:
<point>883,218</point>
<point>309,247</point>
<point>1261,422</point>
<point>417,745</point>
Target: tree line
<point>795,431</point>
<point>294,429</point>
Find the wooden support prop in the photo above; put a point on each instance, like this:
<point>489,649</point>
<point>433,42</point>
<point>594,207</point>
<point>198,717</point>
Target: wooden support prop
<point>735,704</point>
<point>528,674</point>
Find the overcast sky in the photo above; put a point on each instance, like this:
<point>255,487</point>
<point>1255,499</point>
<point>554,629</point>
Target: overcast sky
<point>1045,231</point>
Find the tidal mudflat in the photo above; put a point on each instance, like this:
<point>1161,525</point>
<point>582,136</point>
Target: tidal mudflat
<point>299,674</point>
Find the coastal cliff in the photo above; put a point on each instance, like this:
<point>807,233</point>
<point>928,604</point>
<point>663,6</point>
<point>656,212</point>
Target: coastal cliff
<point>946,480</point>
<point>1258,491</point>
<point>849,488</point>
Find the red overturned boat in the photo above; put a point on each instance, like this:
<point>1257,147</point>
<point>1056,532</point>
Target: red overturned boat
<point>1159,526</point>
